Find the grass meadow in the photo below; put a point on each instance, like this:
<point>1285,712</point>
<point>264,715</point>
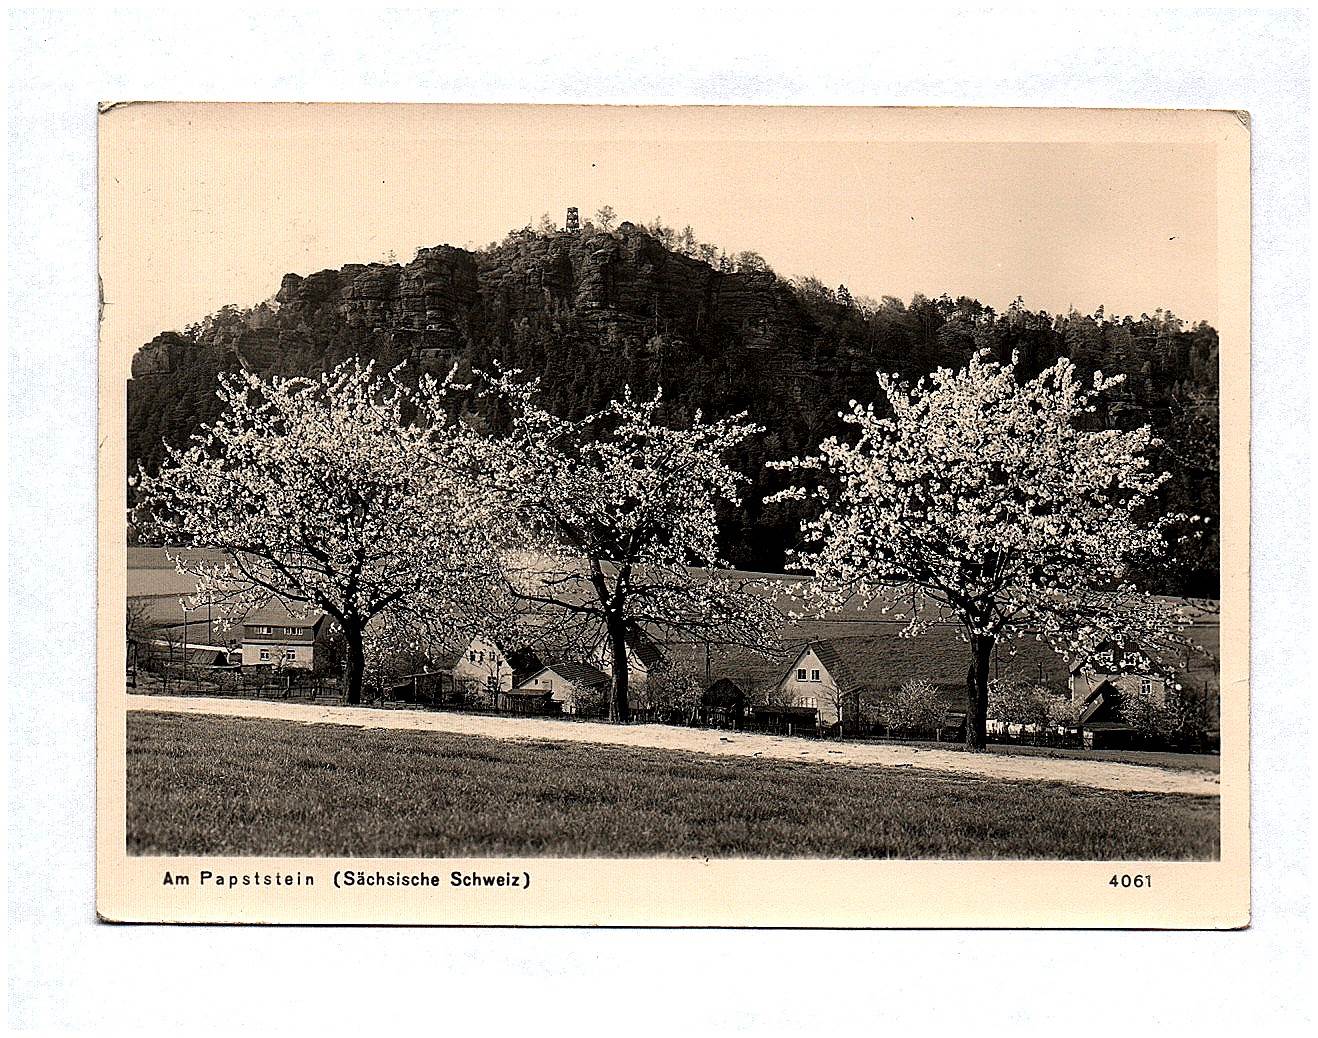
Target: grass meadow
<point>212,785</point>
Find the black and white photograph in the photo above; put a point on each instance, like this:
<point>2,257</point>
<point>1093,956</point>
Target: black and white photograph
<point>690,520</point>
<point>693,484</point>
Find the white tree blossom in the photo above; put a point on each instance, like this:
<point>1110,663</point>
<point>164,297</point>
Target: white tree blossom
<point>612,512</point>
<point>676,688</point>
<point>976,498</point>
<point>349,493</point>
<point>914,706</point>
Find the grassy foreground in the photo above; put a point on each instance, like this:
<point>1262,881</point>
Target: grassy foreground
<point>212,785</point>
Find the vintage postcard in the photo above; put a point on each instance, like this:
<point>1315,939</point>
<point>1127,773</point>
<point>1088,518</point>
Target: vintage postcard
<point>664,516</point>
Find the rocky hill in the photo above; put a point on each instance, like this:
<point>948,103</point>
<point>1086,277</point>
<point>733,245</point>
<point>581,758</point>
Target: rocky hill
<point>592,310</point>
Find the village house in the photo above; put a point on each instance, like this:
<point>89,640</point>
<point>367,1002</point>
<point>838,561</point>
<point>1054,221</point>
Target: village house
<point>577,688</point>
<point>819,680</point>
<point>1100,685</point>
<point>272,637</point>
<point>485,666</point>
<point>1113,673</point>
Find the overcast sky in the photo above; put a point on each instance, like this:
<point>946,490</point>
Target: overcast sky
<point>204,205</point>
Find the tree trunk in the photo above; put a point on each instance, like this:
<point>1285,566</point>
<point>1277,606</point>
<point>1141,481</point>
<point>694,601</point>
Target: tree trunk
<point>977,678</point>
<point>619,709</point>
<point>355,664</point>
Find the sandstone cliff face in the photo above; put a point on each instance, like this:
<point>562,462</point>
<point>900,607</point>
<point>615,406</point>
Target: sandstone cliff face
<point>628,276</point>
<point>160,355</point>
<point>623,285</point>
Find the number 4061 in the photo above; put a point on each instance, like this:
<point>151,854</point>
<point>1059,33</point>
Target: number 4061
<point>1127,880</point>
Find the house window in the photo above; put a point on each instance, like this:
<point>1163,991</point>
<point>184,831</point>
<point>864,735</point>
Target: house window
<point>814,675</point>
<point>290,654</point>
<point>810,702</point>
<point>262,630</point>
<point>265,655</point>
<point>1146,686</point>
<point>800,674</point>
<point>472,655</point>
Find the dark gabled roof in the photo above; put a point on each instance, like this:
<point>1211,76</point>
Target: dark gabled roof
<point>1098,702</point>
<point>643,647</point>
<point>524,662</point>
<point>577,673</point>
<point>274,615</point>
<point>832,659</point>
<point>724,692</point>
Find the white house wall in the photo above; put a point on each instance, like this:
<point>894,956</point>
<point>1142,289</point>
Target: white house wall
<point>823,691</point>
<point>1083,684</point>
<point>303,652</point>
<point>637,672</point>
<point>560,689</point>
<point>490,662</point>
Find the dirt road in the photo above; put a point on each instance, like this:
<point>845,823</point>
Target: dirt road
<point>1095,774</point>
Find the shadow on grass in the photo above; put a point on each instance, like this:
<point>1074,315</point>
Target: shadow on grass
<point>211,785</point>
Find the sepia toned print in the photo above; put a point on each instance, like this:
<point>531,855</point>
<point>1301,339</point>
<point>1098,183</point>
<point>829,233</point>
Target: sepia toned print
<point>591,567</point>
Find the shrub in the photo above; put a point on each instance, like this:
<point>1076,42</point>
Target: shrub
<point>674,691</point>
<point>1145,714</point>
<point>1189,718</point>
<point>1181,719</point>
<point>591,701</point>
<point>1061,711</point>
<point>1019,702</point>
<point>915,706</point>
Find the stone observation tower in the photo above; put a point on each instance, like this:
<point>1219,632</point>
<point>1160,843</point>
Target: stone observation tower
<point>573,223</point>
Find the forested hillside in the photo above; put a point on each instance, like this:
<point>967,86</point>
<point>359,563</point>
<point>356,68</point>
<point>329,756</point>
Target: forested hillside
<point>592,310</point>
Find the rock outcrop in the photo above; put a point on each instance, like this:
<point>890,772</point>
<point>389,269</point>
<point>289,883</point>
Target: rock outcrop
<point>592,311</point>
<point>160,355</point>
<point>623,286</point>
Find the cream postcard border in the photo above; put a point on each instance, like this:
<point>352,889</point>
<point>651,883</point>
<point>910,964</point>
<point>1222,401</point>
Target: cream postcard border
<point>740,892</point>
